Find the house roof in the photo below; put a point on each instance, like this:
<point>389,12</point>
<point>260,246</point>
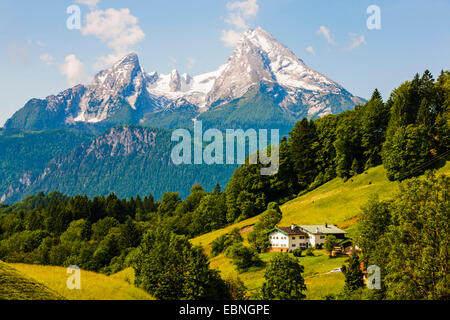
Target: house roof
<point>289,231</point>
<point>316,229</point>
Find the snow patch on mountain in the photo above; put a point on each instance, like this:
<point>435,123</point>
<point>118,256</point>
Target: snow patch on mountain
<point>125,92</point>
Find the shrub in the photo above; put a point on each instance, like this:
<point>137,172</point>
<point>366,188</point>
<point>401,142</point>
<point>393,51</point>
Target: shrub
<point>284,279</point>
<point>236,288</point>
<point>220,244</point>
<point>330,243</point>
<point>309,252</point>
<point>243,257</point>
<point>297,253</point>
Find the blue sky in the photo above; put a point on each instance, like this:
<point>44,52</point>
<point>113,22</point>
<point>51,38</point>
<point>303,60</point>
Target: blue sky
<point>40,56</point>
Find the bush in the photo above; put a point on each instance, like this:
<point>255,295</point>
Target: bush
<point>297,253</point>
<point>220,244</point>
<point>284,279</point>
<point>309,252</point>
<point>236,288</point>
<point>330,243</point>
<point>170,268</point>
<point>258,238</point>
<point>243,257</point>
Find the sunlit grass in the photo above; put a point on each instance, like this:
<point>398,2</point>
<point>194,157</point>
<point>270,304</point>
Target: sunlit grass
<point>315,273</point>
<point>94,286</point>
<point>336,202</point>
<point>16,286</point>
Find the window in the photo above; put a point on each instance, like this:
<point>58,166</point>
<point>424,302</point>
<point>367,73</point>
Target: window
<point>293,238</point>
<point>302,237</point>
<point>293,244</point>
<point>322,237</point>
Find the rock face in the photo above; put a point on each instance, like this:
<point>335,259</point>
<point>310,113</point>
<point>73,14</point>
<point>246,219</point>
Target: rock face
<point>116,95</point>
<point>117,142</point>
<point>127,160</point>
<point>259,59</point>
<point>124,93</point>
<point>122,141</point>
<point>122,85</point>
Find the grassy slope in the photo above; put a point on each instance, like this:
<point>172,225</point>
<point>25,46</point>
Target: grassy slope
<point>318,282</point>
<point>94,286</point>
<point>336,202</point>
<point>16,286</point>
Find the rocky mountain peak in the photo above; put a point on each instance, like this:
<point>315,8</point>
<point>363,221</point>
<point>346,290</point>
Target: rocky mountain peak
<point>175,81</point>
<point>124,81</point>
<point>124,93</point>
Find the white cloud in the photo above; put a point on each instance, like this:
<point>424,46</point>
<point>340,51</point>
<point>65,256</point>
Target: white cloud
<point>326,33</point>
<point>247,8</point>
<point>357,41</point>
<point>191,62</point>
<point>47,58</point>
<point>237,20</point>
<point>311,50</point>
<point>91,3</point>
<point>239,12</point>
<point>108,60</point>
<point>117,28</point>
<point>74,70</point>
<point>230,37</point>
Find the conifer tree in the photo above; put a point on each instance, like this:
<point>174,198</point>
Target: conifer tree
<point>353,274</point>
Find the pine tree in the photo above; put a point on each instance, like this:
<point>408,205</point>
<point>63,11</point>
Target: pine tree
<point>353,274</point>
<point>217,189</point>
<point>376,95</point>
<point>304,144</point>
<point>284,183</point>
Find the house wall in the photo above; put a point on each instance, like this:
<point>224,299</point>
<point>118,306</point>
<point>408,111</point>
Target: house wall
<point>281,242</point>
<point>316,239</point>
<point>319,239</point>
<point>298,241</point>
<point>278,240</point>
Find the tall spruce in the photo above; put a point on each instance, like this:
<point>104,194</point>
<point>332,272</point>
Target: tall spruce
<point>304,145</point>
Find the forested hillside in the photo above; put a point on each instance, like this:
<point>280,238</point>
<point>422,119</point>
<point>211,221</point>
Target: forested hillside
<point>407,134</point>
<point>23,156</point>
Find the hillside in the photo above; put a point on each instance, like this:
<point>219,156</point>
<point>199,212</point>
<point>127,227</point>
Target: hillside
<point>23,158</point>
<point>94,286</point>
<point>336,202</point>
<point>98,167</point>
<point>16,286</point>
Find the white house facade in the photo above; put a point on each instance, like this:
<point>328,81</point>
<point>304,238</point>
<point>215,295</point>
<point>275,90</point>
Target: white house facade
<point>286,239</point>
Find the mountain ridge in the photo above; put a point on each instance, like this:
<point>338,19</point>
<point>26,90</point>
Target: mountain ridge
<point>125,160</point>
<point>125,93</point>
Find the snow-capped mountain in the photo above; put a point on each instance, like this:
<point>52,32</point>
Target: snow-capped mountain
<point>125,93</point>
<point>124,81</point>
<point>260,57</point>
